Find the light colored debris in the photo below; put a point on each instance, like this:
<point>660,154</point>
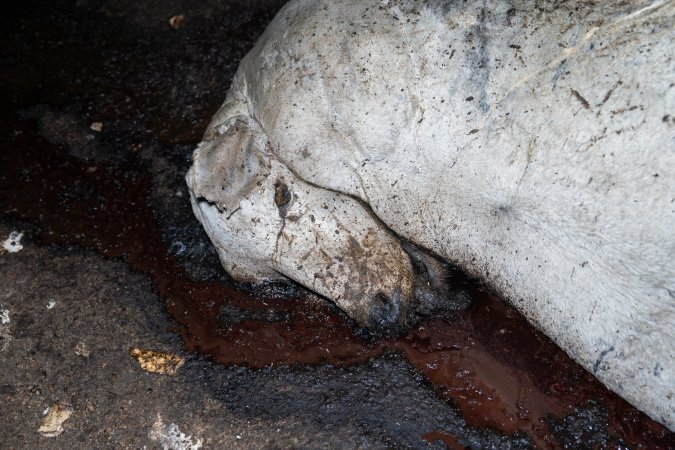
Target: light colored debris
<point>176,21</point>
<point>5,335</point>
<point>172,438</point>
<point>13,242</point>
<point>96,126</point>
<point>82,350</point>
<point>51,304</point>
<point>157,362</point>
<point>52,423</point>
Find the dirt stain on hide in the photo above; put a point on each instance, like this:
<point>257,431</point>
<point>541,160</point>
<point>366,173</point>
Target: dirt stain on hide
<point>581,99</point>
<point>487,361</point>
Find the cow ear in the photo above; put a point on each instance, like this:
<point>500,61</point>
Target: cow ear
<point>229,163</point>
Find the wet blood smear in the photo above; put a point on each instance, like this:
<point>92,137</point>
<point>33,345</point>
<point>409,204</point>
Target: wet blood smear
<point>449,440</point>
<point>488,361</point>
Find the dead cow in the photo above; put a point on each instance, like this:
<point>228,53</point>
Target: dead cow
<point>531,145</point>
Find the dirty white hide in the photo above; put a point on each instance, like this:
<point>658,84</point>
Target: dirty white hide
<point>532,145</point>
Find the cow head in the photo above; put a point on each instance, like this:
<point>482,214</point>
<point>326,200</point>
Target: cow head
<point>267,224</point>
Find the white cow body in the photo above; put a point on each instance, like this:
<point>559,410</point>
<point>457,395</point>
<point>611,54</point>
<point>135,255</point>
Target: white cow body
<point>533,146</point>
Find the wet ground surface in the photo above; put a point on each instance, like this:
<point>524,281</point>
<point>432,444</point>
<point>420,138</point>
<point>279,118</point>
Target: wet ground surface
<point>102,106</point>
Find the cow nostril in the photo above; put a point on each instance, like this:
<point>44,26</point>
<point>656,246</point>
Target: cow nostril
<point>381,299</point>
<point>385,309</point>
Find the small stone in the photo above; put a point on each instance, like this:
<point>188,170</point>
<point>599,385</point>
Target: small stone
<point>176,21</point>
<point>13,242</point>
<point>170,436</point>
<point>82,350</point>
<point>52,424</point>
<point>157,362</point>
<point>96,126</point>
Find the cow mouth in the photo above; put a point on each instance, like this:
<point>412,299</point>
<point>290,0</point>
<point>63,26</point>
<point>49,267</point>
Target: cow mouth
<point>438,287</point>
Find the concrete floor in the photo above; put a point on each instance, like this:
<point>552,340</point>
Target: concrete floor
<point>71,318</point>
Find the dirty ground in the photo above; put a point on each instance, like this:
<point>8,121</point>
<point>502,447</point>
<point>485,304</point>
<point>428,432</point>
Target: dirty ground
<point>102,265</point>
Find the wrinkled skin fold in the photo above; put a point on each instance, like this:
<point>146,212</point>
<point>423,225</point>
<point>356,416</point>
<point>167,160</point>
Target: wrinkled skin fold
<point>533,147</point>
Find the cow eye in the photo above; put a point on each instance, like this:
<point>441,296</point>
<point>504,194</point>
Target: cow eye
<point>282,196</point>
